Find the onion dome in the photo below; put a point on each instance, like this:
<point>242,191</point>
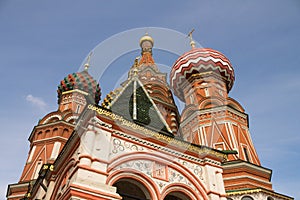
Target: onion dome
<point>82,81</point>
<point>148,38</point>
<point>197,61</point>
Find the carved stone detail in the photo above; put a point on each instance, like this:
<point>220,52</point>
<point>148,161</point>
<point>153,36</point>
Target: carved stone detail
<point>144,166</point>
<point>193,168</point>
<point>121,146</point>
<point>177,177</point>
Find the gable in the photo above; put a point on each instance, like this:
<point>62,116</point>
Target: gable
<point>135,105</point>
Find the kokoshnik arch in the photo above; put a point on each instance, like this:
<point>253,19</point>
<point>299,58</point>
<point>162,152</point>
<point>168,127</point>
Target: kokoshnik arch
<point>137,145</point>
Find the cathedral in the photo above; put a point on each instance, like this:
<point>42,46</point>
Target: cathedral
<point>136,145</point>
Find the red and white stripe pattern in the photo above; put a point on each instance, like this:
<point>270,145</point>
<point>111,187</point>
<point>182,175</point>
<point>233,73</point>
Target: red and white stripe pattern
<point>200,60</point>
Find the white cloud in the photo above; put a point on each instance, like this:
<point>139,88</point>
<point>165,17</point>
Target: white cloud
<point>36,101</point>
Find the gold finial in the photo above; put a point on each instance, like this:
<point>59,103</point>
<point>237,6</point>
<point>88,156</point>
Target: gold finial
<point>147,37</point>
<point>87,64</point>
<point>192,42</point>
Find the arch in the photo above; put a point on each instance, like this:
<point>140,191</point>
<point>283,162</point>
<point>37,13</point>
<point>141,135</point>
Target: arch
<point>188,110</point>
<point>39,135</point>
<point>65,132</point>
<point>210,102</point>
<point>160,95</point>
<point>48,133</point>
<point>177,196</point>
<point>69,114</point>
<point>158,158</point>
<point>131,189</point>
<point>55,132</point>
<point>145,183</point>
<point>180,192</point>
<point>51,117</point>
<point>235,105</point>
<point>270,198</point>
<point>247,198</point>
<point>71,119</point>
<point>63,173</point>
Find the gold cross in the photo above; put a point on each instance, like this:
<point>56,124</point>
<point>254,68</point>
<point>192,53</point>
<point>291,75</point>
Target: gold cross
<point>190,35</point>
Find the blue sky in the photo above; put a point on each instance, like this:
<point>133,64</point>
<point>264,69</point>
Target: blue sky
<point>41,42</point>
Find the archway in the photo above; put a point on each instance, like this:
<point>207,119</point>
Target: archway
<point>177,196</point>
<point>130,189</point>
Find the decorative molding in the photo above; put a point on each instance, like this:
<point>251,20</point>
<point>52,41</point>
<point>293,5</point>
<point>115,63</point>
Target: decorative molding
<point>160,137</point>
<point>120,146</point>
<point>168,150</point>
<point>256,194</point>
<point>216,112</point>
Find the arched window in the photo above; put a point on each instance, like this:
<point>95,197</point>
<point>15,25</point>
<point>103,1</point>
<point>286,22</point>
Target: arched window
<point>65,133</point>
<point>177,196</point>
<point>270,198</point>
<point>247,198</point>
<point>130,189</point>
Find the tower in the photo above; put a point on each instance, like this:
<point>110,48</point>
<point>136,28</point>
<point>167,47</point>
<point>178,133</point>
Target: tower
<point>155,83</point>
<point>52,132</point>
<point>202,78</point>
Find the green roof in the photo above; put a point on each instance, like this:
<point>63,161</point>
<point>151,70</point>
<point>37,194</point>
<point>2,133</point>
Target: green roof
<point>135,105</point>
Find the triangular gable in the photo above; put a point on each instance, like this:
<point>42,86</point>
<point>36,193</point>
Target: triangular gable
<point>134,104</point>
<point>217,133</point>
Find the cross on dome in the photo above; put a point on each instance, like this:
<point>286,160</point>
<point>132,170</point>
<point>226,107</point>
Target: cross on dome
<point>192,42</point>
<point>87,64</point>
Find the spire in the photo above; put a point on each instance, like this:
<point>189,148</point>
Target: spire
<point>192,42</point>
<point>146,43</point>
<point>87,64</point>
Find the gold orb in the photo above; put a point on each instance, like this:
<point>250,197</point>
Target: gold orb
<point>146,38</point>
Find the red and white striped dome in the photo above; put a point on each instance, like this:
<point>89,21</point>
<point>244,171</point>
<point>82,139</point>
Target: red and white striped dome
<point>199,60</point>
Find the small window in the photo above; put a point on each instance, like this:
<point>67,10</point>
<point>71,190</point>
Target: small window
<point>77,109</point>
<point>246,154</point>
<point>206,92</point>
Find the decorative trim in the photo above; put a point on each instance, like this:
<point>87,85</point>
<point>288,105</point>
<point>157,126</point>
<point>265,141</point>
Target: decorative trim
<point>158,136</point>
<point>214,111</point>
<point>167,150</point>
<point>75,90</point>
<point>258,190</point>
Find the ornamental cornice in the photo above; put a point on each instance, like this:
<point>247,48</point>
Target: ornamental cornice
<point>160,137</point>
<point>256,191</point>
<point>166,149</point>
<point>216,112</point>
